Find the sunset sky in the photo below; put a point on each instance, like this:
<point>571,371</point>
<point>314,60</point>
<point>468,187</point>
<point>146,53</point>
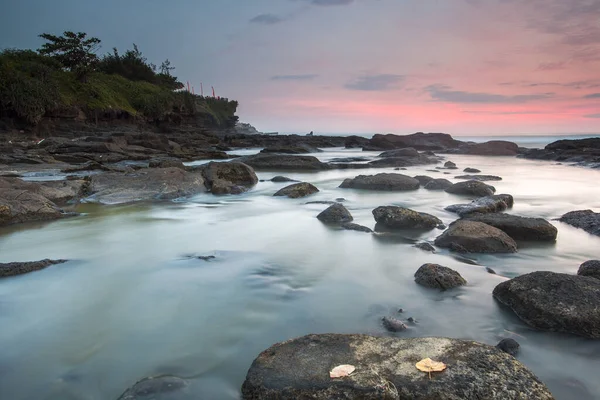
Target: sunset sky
<point>477,67</point>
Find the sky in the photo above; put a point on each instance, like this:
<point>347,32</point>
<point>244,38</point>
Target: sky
<point>465,67</point>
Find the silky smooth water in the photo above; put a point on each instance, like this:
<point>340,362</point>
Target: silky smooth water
<point>131,302</point>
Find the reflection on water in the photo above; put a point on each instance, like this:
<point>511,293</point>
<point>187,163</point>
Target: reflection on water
<point>130,304</point>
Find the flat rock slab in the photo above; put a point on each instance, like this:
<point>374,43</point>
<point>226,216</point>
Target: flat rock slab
<point>297,190</point>
<point>382,182</point>
<point>20,268</point>
<point>385,369</point>
<point>554,302</point>
<point>472,188</point>
<point>488,204</point>
<point>481,178</point>
<point>475,237</point>
<point>519,228</point>
<point>587,220</point>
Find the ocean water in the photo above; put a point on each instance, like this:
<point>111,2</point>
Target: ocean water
<point>134,302</point>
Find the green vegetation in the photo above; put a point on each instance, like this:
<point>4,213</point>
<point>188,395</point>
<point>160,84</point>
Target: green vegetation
<point>66,75</point>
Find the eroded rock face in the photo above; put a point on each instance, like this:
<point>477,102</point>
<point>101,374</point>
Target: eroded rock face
<point>554,302</point>
<point>471,188</point>
<point>385,369</point>
<point>519,228</point>
<point>19,268</point>
<point>335,214</point>
<point>228,177</point>
<point>157,388</point>
<point>383,182</point>
<point>392,217</point>
<point>436,276</point>
<point>297,190</point>
<point>590,268</point>
<point>587,220</point>
<point>488,204</point>
<point>475,237</point>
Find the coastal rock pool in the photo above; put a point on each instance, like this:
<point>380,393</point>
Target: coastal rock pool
<point>135,300</point>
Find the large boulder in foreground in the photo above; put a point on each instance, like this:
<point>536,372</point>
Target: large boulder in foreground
<point>156,388</point>
<point>471,188</point>
<point>282,162</point>
<point>144,185</point>
<point>475,237</point>
<point>436,276</point>
<point>590,268</point>
<point>335,214</point>
<point>554,302</point>
<point>228,177</point>
<point>20,268</point>
<point>383,182</point>
<point>488,204</point>
<point>587,220</point>
<point>297,190</point>
<point>392,217</point>
<point>385,369</point>
<point>519,228</point>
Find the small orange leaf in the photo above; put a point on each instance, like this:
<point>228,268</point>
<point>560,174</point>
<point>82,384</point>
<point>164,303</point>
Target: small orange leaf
<point>341,371</point>
<point>428,365</point>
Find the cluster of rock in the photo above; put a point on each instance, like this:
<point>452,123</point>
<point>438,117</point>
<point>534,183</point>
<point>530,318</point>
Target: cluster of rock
<point>581,151</point>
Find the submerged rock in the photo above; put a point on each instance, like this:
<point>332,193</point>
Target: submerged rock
<point>425,247</point>
<point>19,268</point>
<point>393,324</point>
<point>156,388</point>
<point>587,220</point>
<point>488,204</point>
<point>519,228</point>
<point>392,217</point>
<point>356,227</point>
<point>335,214</point>
<point>509,346</point>
<point>554,302</point>
<point>280,178</point>
<point>228,177</point>
<point>590,268</point>
<point>475,237</point>
<point>438,184</point>
<point>385,369</point>
<point>383,182</point>
<point>450,165</point>
<point>297,190</point>
<point>481,178</point>
<point>471,170</point>
<point>436,276</point>
<point>471,188</point>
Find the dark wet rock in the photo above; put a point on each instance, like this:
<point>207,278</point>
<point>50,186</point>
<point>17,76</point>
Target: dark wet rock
<point>438,184</point>
<point>299,148</point>
<point>228,177</point>
<point>383,182</point>
<point>411,320</point>
<point>356,227</point>
<point>297,190</point>
<point>471,170</point>
<point>328,202</point>
<point>491,148</point>
<point>87,166</point>
<point>481,178</point>
<point>282,162</point>
<point>145,184</point>
<point>509,346</point>
<point>155,388</point>
<point>335,214</point>
<point>385,369</point>
<point>450,165</point>
<point>587,220</point>
<point>490,271</point>
<point>349,159</point>
<point>438,277</point>
<point>488,204</point>
<point>554,302</point>
<point>399,169</point>
<point>423,179</point>
<point>475,237</point>
<point>19,268</point>
<point>471,188</point>
<point>280,178</point>
<point>590,268</point>
<point>406,152</point>
<point>353,142</point>
<point>447,173</point>
<point>581,151</point>
<point>393,324</point>
<point>403,161</point>
<point>166,163</point>
<point>425,247</point>
<point>340,199</point>
<point>419,141</point>
<point>432,170</point>
<point>392,217</point>
<point>519,228</point>
<point>205,258</point>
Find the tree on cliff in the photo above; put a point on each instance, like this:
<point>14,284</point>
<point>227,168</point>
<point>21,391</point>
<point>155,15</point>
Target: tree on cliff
<point>74,51</point>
